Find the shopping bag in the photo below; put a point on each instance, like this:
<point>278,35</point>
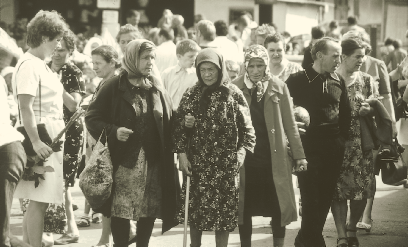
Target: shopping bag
<point>96,179</point>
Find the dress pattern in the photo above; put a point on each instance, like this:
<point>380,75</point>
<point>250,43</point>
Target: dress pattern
<point>357,180</point>
<point>220,131</point>
<point>71,79</point>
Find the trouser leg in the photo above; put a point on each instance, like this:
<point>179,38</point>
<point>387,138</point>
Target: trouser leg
<point>317,187</point>
<point>12,160</point>
<point>245,230</point>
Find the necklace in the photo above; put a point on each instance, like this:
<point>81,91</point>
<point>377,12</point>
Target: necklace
<point>310,81</point>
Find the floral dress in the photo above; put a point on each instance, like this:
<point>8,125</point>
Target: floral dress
<point>71,79</point>
<point>223,129</point>
<point>357,180</point>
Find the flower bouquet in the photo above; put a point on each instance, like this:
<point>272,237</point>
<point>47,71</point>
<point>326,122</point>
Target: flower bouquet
<point>35,165</point>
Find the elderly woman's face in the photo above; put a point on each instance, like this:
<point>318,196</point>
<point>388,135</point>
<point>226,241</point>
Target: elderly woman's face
<point>146,62</point>
<point>276,52</point>
<point>354,61</point>
<point>256,69</point>
<point>125,38</point>
<point>102,68</point>
<point>209,73</point>
<point>61,55</point>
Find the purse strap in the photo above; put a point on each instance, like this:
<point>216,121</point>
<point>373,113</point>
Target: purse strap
<point>106,137</point>
<point>18,103</point>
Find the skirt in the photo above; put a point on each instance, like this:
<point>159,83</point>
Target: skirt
<point>50,190</point>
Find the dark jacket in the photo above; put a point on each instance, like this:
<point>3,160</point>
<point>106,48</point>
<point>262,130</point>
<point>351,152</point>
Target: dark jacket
<point>112,108</point>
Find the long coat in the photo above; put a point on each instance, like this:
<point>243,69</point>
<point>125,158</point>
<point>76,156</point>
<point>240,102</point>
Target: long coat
<point>280,122</point>
<point>111,109</point>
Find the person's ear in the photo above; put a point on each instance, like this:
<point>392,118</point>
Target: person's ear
<point>45,39</point>
<point>343,57</point>
<point>179,56</point>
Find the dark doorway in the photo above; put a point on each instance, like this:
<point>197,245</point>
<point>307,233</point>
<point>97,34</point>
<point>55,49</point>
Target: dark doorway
<point>265,13</point>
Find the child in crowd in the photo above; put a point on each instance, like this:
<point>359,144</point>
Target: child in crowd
<point>233,69</point>
<point>177,79</point>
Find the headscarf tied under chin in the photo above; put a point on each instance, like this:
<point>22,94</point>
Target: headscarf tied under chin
<point>213,56</point>
<point>257,51</point>
<point>131,63</point>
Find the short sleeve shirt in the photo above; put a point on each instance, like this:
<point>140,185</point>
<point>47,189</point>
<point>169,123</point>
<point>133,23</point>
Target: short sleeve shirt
<point>32,71</point>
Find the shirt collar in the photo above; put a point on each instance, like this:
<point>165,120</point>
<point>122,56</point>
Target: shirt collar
<point>311,73</point>
<point>188,70</point>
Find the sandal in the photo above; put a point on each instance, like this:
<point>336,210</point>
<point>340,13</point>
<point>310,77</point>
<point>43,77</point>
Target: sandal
<point>96,218</point>
<point>365,226</point>
<point>84,222</point>
<point>352,241</point>
<point>342,244</point>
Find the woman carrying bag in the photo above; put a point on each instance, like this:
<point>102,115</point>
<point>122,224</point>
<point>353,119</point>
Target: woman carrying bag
<point>136,112</point>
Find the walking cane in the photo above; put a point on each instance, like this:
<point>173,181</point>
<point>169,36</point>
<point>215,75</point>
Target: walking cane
<point>187,195</point>
<point>186,211</point>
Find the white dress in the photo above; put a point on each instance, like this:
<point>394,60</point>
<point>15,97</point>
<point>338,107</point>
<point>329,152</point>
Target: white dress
<point>26,80</point>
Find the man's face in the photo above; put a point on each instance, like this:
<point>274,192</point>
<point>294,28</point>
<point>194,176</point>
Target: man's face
<point>133,20</point>
<point>187,60</point>
<point>331,60</point>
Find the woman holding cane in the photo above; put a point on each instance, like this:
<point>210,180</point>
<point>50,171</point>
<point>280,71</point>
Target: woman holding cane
<point>222,135</point>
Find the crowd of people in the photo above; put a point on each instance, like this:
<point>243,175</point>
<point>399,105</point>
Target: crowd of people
<point>215,101</point>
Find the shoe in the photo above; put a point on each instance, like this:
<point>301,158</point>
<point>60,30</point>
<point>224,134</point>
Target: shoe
<point>342,244</point>
<point>84,222</point>
<point>74,207</point>
<point>102,245</point>
<point>15,242</point>
<point>96,218</point>
<point>365,226</point>
<point>352,241</point>
<point>47,239</point>
<point>66,239</point>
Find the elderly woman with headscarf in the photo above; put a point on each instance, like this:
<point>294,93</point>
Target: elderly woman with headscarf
<point>135,112</point>
<point>267,189</point>
<point>214,149</point>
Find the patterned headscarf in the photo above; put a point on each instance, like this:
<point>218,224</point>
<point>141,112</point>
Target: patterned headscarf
<point>131,60</point>
<point>258,51</point>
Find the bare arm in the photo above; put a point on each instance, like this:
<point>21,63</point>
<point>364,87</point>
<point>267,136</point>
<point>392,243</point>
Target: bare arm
<point>27,113</point>
<point>71,101</point>
<point>405,96</point>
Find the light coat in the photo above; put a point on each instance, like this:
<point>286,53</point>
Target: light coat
<point>280,122</point>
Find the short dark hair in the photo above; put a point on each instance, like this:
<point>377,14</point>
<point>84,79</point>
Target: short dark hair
<point>69,38</point>
<point>128,28</point>
<point>274,38</point>
<point>45,23</point>
<point>108,53</point>
<point>221,28</point>
<point>397,43</point>
<point>207,29</point>
<point>187,45</point>
<point>388,41</point>
<point>348,46</point>
<point>167,33</point>
<point>352,20</point>
<point>321,45</point>
<point>317,32</point>
<point>132,12</point>
<point>333,24</point>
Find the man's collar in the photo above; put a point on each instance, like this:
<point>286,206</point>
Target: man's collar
<point>312,73</point>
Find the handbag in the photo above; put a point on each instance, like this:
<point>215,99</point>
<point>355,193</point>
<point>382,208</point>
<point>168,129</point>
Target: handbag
<point>393,171</point>
<point>42,130</point>
<point>96,179</point>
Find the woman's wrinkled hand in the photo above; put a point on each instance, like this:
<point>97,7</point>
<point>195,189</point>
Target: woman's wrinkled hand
<point>123,134</point>
<point>184,164</point>
<point>43,150</point>
<point>189,121</point>
<point>300,166</point>
<point>364,109</point>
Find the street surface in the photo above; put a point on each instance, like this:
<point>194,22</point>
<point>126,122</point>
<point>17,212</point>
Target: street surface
<point>390,215</point>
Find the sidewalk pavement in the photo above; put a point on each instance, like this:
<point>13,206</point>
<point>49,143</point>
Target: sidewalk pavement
<point>390,229</point>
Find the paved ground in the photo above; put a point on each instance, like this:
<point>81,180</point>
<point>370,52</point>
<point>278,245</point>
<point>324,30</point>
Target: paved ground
<point>390,229</point>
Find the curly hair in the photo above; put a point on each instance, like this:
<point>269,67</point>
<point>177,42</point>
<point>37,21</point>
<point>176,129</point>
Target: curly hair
<point>108,53</point>
<point>274,38</point>
<point>128,28</point>
<point>69,38</point>
<point>45,23</point>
